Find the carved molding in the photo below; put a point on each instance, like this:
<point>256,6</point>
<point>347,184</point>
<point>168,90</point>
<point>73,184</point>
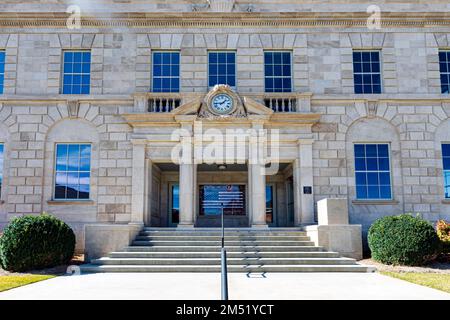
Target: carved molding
<point>72,107</point>
<point>221,5</point>
<point>220,19</point>
<point>372,107</point>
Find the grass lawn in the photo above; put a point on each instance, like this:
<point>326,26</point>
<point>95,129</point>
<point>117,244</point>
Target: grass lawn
<point>438,281</point>
<point>14,281</point>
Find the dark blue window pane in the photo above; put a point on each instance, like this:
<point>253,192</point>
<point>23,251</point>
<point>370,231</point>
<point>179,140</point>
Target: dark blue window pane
<point>372,171</point>
<point>361,178</point>
<point>447,163</point>
<point>359,150</point>
<point>371,150</point>
<point>375,56</point>
<point>372,164</point>
<point>278,71</point>
<point>444,68</point>
<point>367,72</point>
<point>157,59</point>
<point>385,178</point>
<point>2,56</point>
<point>68,56</point>
<point>166,72</point>
<point>221,68</point>
<point>360,164</point>
<point>175,59</point>
<point>446,150</point>
<point>77,56</point>
<point>231,58</point>
<point>358,89</point>
<point>383,150</point>
<point>385,192</point>
<point>383,164</point>
<point>361,192</point>
<point>76,73</point>
<point>373,192</point>
<point>268,58</point>
<point>372,178</point>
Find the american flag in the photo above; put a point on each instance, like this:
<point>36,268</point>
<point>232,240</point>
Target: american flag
<point>231,197</point>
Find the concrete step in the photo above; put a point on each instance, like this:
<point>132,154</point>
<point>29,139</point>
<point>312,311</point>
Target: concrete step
<point>219,233</point>
<point>218,238</point>
<point>198,248</point>
<point>91,268</point>
<point>227,243</point>
<point>230,261</point>
<point>216,254</point>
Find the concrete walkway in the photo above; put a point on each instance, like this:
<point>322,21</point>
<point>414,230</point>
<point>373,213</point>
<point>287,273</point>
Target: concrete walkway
<point>183,286</point>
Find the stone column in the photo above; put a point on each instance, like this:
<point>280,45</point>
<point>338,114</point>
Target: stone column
<point>148,193</point>
<point>138,182</point>
<point>297,192</point>
<point>257,181</point>
<point>187,212</point>
<point>306,180</point>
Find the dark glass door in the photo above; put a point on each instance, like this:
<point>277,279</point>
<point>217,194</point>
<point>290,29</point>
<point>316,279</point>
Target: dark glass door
<point>174,211</point>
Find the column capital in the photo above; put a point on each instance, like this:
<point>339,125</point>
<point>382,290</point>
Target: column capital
<point>305,141</point>
<point>138,141</point>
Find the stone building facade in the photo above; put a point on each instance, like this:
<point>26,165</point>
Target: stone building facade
<point>132,177</point>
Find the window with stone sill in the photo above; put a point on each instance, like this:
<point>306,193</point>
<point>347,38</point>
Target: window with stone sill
<point>72,171</point>
<point>446,167</point>
<point>444,67</point>
<point>166,71</point>
<point>278,71</point>
<point>372,172</point>
<point>76,72</point>
<point>222,68</point>
<point>367,72</point>
<point>2,70</point>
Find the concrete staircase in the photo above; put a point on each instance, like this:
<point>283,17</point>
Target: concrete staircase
<point>248,250</point>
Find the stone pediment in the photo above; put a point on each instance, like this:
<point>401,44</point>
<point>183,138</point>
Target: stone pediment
<point>204,109</point>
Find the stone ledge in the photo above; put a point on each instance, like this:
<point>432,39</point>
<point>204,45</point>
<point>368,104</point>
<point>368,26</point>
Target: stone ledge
<point>446,201</point>
<point>70,203</point>
<point>375,202</point>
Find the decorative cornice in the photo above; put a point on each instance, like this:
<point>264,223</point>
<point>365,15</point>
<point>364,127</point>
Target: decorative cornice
<point>221,20</point>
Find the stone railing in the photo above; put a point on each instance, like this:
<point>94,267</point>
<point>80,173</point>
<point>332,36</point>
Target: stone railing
<point>164,102</point>
<point>284,102</point>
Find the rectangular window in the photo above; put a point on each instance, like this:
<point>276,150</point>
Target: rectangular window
<point>166,71</point>
<point>76,72</point>
<point>222,68</point>
<point>446,160</point>
<point>2,70</point>
<point>278,71</point>
<point>1,167</point>
<point>367,71</point>
<point>444,67</point>
<point>73,171</point>
<point>372,171</point>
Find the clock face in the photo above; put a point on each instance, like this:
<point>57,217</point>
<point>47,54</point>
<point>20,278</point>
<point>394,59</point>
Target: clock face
<point>222,103</point>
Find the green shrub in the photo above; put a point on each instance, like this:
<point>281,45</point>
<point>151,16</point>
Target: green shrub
<point>36,242</point>
<point>403,240</point>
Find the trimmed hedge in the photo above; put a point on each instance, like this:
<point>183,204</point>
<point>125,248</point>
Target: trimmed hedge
<point>403,240</point>
<point>36,242</point>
